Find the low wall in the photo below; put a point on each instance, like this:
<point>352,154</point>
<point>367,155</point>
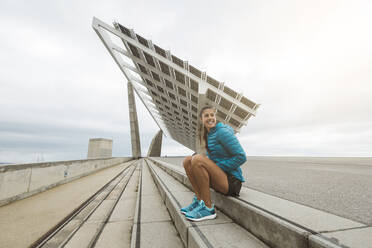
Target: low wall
<point>23,180</point>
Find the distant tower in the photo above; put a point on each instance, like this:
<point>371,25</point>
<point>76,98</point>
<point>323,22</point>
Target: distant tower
<point>100,148</point>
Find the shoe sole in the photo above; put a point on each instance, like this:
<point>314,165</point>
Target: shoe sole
<point>209,217</point>
<point>182,212</point>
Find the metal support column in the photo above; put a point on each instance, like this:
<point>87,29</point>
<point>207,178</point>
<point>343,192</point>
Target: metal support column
<point>134,131</point>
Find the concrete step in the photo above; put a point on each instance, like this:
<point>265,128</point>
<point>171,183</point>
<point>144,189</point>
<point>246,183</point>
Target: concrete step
<point>118,229</point>
<point>220,232</point>
<point>281,223</point>
<point>153,226</point>
<point>93,225</point>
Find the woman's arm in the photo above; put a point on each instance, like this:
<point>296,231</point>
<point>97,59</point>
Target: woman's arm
<point>231,144</point>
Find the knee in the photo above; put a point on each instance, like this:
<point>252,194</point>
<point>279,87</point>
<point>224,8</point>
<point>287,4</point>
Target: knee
<point>197,160</point>
<point>187,162</point>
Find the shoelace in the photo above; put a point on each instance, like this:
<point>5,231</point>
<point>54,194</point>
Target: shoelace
<point>197,209</point>
<point>194,200</point>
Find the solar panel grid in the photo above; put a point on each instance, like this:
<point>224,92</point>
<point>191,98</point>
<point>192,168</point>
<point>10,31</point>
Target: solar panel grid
<point>230,92</point>
<point>213,82</point>
<point>194,85</point>
<point>149,83</point>
<point>171,95</point>
<point>180,77</point>
<point>211,95</point>
<point>221,115</point>
<point>167,82</point>
<point>185,111</point>
<point>142,40</point>
<point>194,109</point>
<point>149,59</point>
<point>225,104</point>
<point>142,68</point>
<point>172,87</point>
<point>123,29</point>
<point>155,76</point>
<point>182,96</point>
<point>234,122</point>
<point>195,71</point>
<point>183,102</point>
<point>181,91</point>
<point>153,93</point>
<point>194,99</point>
<point>134,50</point>
<point>164,68</point>
<point>160,51</point>
<point>241,113</point>
<point>177,61</point>
<point>160,89</point>
<point>247,102</point>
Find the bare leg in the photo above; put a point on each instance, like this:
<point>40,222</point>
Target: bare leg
<point>187,166</point>
<point>206,173</point>
<point>202,179</point>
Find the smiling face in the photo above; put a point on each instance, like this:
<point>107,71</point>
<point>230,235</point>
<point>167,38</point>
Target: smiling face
<point>208,118</point>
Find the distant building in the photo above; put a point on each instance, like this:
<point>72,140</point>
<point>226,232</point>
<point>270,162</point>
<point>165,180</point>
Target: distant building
<point>99,148</point>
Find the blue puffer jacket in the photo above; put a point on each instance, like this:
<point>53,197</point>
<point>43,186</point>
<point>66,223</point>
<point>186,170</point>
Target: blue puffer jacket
<point>225,150</point>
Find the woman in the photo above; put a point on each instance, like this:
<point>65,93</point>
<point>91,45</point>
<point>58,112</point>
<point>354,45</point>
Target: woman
<point>220,170</point>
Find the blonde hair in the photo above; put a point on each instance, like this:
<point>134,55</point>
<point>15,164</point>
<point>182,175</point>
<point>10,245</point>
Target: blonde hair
<point>203,132</point>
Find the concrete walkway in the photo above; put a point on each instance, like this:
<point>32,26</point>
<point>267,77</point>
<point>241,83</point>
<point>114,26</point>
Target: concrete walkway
<point>23,222</point>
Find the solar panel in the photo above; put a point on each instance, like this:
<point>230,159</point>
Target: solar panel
<point>172,90</point>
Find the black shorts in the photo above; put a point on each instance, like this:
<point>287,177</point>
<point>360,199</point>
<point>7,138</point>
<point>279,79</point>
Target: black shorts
<point>234,185</point>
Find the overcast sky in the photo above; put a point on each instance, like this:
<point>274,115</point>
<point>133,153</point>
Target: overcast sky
<point>308,63</point>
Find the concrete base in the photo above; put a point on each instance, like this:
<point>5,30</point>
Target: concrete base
<point>155,146</point>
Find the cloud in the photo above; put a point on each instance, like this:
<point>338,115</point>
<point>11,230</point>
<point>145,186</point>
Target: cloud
<point>307,63</point>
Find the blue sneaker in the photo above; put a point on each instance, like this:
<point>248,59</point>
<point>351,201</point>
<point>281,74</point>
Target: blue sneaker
<point>202,212</point>
<point>190,207</point>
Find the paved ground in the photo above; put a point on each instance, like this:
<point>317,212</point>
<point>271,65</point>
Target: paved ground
<point>342,186</point>
<point>24,221</point>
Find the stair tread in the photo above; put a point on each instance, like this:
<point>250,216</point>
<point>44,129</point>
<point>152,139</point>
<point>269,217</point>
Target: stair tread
<point>154,223</point>
<point>220,232</point>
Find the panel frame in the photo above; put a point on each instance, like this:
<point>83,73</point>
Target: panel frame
<point>153,97</point>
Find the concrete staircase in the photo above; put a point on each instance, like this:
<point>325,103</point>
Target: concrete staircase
<point>220,232</point>
<point>140,206</point>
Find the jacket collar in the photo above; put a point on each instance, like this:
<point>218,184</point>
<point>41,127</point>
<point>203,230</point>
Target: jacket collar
<point>213,129</point>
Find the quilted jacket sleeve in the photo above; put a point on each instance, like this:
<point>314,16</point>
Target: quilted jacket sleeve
<point>231,144</point>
